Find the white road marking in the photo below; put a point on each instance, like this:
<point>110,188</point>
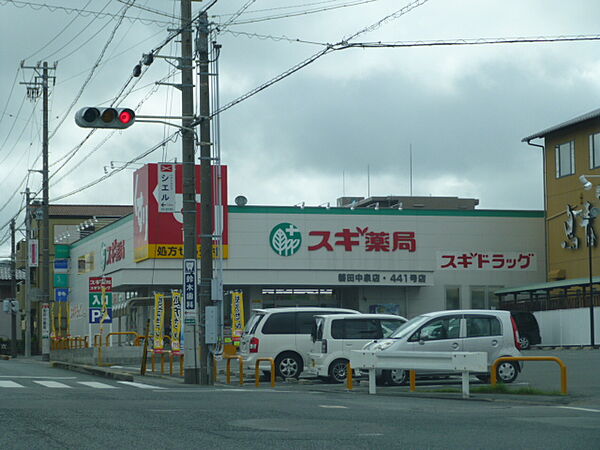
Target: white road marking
<point>97,385</point>
<point>579,409</point>
<point>139,385</point>
<point>333,406</point>
<point>34,377</point>
<point>10,384</point>
<point>52,384</point>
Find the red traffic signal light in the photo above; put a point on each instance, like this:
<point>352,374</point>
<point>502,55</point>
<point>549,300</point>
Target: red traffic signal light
<point>95,117</point>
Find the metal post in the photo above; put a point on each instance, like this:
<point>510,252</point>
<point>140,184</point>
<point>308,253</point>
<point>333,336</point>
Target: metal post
<point>589,231</point>
<point>13,291</point>
<point>206,226</point>
<point>191,374</point>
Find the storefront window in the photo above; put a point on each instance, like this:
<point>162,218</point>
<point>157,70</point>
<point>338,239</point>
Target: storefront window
<point>452,298</point>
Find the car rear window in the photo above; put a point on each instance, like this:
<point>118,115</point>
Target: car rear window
<point>253,323</point>
<point>280,323</point>
<point>356,329</point>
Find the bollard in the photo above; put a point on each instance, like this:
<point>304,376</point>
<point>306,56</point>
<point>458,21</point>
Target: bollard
<point>272,361</point>
<point>413,380</point>
<point>349,380</point>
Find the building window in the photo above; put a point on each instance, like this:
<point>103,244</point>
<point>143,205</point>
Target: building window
<point>565,159</point>
<point>594,151</point>
<point>452,298</point>
<point>478,300</point>
<point>483,297</point>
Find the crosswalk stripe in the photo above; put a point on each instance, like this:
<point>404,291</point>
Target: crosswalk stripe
<point>139,385</point>
<point>10,384</point>
<point>97,385</point>
<point>52,384</point>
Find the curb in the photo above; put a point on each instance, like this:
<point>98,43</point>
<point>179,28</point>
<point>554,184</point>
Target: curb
<point>92,370</point>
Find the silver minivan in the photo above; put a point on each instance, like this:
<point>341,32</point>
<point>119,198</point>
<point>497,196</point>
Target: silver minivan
<point>472,330</point>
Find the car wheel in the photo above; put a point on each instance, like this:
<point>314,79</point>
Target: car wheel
<point>338,370</point>
<point>395,377</point>
<point>507,372</point>
<point>524,341</point>
<point>288,365</point>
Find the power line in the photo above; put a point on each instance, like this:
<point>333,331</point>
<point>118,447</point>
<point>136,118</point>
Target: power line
<point>298,13</point>
<point>58,34</point>
<point>118,169</point>
<point>79,12</point>
<point>85,83</point>
<point>476,41</point>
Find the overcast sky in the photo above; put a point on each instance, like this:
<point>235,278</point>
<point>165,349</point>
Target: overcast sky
<point>316,135</point>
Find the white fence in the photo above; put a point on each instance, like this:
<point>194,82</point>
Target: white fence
<point>568,326</point>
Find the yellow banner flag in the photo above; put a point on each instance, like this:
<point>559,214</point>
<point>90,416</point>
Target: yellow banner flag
<point>159,320</point>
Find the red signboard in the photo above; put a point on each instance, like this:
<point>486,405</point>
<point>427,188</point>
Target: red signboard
<point>160,234</point>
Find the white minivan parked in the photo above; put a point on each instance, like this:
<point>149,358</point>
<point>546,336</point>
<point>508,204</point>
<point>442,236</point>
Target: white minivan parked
<point>473,330</point>
<point>334,336</point>
<point>284,335</point>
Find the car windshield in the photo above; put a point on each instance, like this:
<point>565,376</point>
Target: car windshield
<point>409,326</point>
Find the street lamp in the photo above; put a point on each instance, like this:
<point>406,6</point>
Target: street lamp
<point>590,214</point>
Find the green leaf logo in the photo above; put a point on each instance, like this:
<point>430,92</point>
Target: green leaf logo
<point>285,239</point>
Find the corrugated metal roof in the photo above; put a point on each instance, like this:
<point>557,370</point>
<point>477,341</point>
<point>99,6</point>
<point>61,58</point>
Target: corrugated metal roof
<point>587,116</point>
<point>90,210</point>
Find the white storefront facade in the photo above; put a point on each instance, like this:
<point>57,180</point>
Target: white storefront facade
<point>402,261</point>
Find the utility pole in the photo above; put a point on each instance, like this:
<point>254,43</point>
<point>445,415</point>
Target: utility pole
<point>13,291</point>
<point>206,208</point>
<point>191,368</point>
<point>27,276</point>
<point>33,92</point>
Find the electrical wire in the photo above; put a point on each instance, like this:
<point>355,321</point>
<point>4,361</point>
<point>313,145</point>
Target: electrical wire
<point>58,34</point>
<point>78,12</point>
<point>89,77</point>
<point>330,48</point>
<point>117,169</point>
<point>301,13</point>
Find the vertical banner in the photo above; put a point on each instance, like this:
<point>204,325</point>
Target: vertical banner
<point>159,320</point>
<point>166,188</point>
<point>45,328</point>
<point>33,252</point>
<point>237,317</point>
<point>176,322</point>
<point>189,290</point>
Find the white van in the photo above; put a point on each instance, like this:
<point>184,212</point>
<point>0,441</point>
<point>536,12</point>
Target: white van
<point>334,336</point>
<point>284,335</point>
<point>472,330</point>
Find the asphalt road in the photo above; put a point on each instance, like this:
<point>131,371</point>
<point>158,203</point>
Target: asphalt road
<point>55,408</point>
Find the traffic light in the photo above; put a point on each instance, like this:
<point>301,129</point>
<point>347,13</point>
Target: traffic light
<point>96,117</point>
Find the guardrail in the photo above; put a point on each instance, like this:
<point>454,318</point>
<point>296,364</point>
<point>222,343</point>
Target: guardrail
<point>463,362</point>
<point>270,360</point>
<point>563,368</point>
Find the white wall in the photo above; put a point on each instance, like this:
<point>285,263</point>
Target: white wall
<point>568,326</point>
